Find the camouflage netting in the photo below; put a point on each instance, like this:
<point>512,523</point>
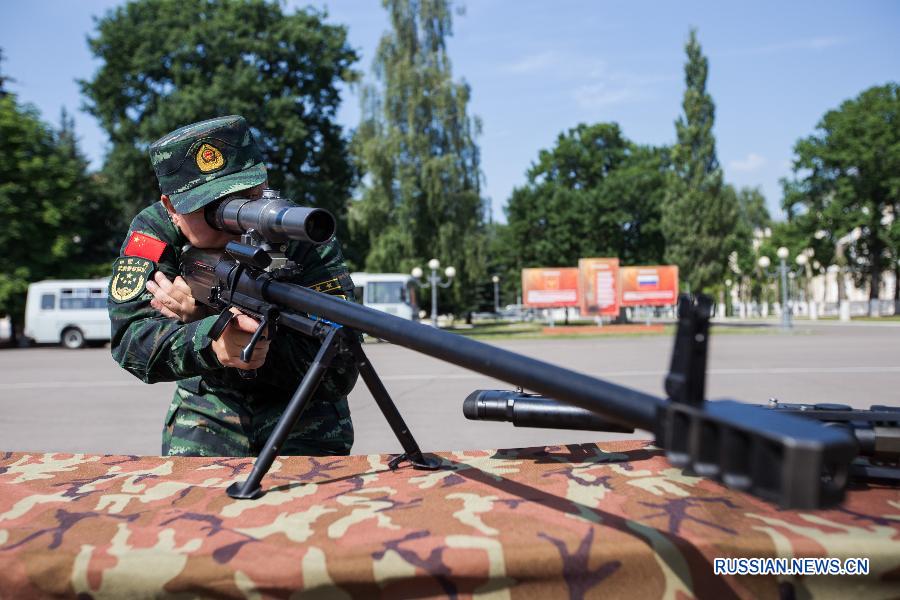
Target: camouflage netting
<point>557,522</point>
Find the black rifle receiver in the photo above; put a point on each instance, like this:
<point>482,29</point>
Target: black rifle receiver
<point>775,456</point>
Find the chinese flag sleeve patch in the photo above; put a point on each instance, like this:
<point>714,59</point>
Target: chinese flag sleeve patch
<point>145,246</point>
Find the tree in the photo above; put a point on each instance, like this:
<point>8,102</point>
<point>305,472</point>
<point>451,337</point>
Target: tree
<point>55,217</point>
<point>847,175</point>
<point>698,217</point>
<point>416,148</point>
<point>167,63</point>
<point>3,79</point>
<point>748,240</point>
<point>593,194</point>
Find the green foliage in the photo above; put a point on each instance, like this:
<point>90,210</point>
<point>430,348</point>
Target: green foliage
<point>3,78</point>
<point>416,146</point>
<point>751,238</point>
<point>594,194</point>
<point>698,217</point>
<point>56,217</point>
<point>167,63</point>
<point>847,175</point>
<point>752,221</point>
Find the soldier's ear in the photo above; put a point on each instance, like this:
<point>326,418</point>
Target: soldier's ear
<point>170,208</point>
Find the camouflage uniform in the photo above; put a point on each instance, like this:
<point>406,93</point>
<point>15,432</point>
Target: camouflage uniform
<point>215,412</point>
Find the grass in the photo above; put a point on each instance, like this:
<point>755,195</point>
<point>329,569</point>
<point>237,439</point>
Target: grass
<point>877,319</point>
<point>534,330</point>
<point>869,319</point>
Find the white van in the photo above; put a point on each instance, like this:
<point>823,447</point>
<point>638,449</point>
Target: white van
<point>69,312</point>
<point>393,293</point>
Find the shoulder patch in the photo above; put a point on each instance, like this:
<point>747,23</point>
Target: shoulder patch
<point>130,274</point>
<point>145,246</point>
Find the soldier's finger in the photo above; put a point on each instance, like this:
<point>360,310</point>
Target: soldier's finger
<point>237,363</point>
<point>158,305</point>
<point>181,285</point>
<point>238,340</point>
<point>260,351</point>
<point>258,360</point>
<point>245,323</point>
<point>162,281</point>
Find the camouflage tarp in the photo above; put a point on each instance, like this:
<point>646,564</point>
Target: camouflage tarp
<point>569,521</point>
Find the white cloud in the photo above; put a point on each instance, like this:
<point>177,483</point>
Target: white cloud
<point>588,80</point>
<point>814,43</point>
<point>598,95</point>
<point>753,162</point>
<point>534,63</point>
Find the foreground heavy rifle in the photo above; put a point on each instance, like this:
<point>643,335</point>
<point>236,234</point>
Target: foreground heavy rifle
<point>876,431</point>
<point>775,456</point>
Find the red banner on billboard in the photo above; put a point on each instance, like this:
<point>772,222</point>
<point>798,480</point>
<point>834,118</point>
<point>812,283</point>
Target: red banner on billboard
<point>548,288</point>
<point>598,286</point>
<point>649,286</point>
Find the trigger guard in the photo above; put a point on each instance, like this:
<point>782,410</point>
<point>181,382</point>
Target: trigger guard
<point>225,317</point>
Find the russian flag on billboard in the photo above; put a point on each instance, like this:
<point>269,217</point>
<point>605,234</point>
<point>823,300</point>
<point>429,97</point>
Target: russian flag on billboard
<point>648,279</point>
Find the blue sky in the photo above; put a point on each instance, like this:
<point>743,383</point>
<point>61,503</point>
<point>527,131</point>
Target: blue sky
<point>537,68</point>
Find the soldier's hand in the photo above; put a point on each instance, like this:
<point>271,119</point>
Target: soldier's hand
<point>174,299</point>
<point>233,339</point>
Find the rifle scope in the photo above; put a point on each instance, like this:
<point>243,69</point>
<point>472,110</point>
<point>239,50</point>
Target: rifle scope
<point>275,219</point>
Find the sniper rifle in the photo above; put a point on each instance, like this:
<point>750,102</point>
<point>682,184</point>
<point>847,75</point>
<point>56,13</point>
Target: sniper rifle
<point>773,455</point>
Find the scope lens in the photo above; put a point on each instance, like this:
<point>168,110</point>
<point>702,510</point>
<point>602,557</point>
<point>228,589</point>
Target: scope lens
<point>319,226</point>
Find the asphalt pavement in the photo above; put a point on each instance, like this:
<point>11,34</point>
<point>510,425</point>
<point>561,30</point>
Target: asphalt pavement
<point>59,400</point>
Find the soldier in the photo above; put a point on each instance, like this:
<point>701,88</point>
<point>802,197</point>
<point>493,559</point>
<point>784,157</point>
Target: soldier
<point>160,334</point>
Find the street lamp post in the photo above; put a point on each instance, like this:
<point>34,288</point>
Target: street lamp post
<point>434,282</point>
<point>783,271</point>
<point>785,309</point>
<point>496,280</point>
<point>804,274</point>
<point>728,298</point>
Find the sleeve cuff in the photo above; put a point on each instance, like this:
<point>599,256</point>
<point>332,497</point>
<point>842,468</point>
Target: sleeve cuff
<point>199,356</point>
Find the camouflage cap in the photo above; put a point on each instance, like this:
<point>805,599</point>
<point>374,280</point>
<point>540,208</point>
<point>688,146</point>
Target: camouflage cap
<point>202,162</point>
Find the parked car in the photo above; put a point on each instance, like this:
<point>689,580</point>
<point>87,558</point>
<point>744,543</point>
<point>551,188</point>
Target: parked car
<point>517,312</point>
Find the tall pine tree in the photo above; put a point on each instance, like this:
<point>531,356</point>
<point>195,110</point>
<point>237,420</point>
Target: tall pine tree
<point>697,216</point>
<point>416,149</point>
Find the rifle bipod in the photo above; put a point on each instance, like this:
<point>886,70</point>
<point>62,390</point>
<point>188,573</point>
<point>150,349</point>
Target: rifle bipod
<point>333,338</point>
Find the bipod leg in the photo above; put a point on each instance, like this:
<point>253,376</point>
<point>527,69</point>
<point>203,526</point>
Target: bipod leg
<point>411,451</point>
<point>250,489</point>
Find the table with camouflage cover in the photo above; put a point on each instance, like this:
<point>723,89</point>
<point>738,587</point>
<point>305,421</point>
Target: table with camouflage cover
<point>566,521</point>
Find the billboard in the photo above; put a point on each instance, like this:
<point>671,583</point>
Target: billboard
<point>649,286</point>
<point>598,286</point>
<point>547,288</point>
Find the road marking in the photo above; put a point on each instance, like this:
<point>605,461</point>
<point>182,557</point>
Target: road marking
<point>37,385</point>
